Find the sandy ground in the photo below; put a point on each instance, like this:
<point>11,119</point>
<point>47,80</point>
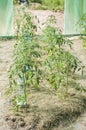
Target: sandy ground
<point>6,48</point>
<point>43,16</point>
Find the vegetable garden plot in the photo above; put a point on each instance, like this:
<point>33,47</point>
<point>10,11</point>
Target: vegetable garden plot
<point>44,76</point>
<point>43,86</point>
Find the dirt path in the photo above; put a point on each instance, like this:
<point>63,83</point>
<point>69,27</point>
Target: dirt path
<point>43,15</point>
<point>6,48</point>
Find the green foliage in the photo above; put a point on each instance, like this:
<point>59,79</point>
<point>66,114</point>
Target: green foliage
<point>38,1</point>
<point>24,71</point>
<point>54,4</point>
<point>51,4</point>
<point>15,1</point>
<point>48,4</point>
<point>61,64</point>
<point>58,64</point>
<point>82,24</point>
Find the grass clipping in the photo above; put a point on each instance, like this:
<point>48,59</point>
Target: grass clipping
<point>46,111</point>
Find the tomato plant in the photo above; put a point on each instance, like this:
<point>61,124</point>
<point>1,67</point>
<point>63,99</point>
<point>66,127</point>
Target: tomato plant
<point>24,71</point>
<point>60,62</point>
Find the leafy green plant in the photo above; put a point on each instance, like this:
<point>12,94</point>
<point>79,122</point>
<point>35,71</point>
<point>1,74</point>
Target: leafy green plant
<point>49,4</point>
<point>60,63</point>
<point>24,71</point>
<point>54,4</point>
<point>82,25</point>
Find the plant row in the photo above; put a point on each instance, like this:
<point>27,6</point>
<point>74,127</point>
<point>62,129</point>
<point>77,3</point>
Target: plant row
<point>29,68</point>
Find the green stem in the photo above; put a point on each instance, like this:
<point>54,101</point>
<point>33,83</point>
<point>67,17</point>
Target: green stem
<point>67,72</point>
<point>25,94</point>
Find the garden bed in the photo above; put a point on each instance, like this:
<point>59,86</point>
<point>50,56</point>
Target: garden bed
<point>46,111</point>
<point>47,108</point>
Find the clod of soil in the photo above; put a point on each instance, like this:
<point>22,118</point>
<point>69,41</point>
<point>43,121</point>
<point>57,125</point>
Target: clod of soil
<point>21,123</point>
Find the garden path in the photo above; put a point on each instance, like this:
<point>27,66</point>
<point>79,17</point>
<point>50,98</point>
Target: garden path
<point>6,48</point>
<point>43,15</point>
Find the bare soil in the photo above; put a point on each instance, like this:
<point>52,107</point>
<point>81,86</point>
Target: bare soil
<point>46,111</point>
<point>43,15</point>
<point>6,48</point>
